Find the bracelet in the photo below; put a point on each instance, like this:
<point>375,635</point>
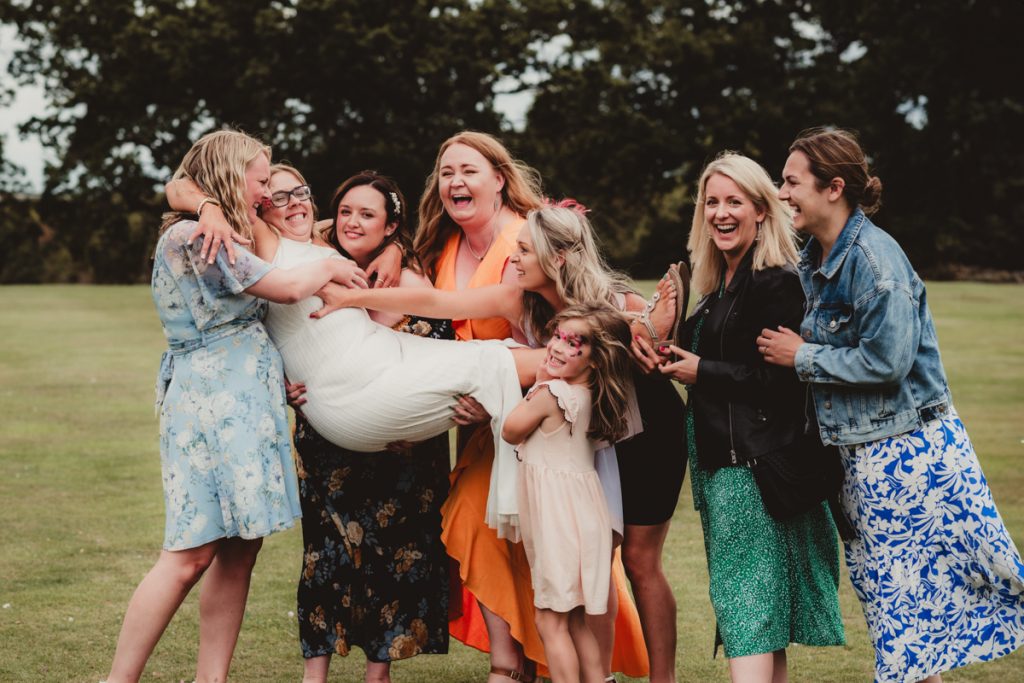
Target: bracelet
<point>203,202</point>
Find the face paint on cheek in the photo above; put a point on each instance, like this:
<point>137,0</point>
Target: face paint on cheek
<point>574,341</point>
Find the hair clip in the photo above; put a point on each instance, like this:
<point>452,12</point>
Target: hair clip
<point>398,205</point>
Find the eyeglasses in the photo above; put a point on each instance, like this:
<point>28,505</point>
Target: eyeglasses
<point>281,198</point>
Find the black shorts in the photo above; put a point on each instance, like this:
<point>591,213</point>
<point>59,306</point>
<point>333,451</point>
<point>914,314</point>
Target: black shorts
<point>653,463</point>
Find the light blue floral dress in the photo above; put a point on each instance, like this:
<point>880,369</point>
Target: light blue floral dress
<point>225,442</point>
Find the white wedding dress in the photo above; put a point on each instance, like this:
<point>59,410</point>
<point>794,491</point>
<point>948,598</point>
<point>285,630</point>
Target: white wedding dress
<point>368,385</point>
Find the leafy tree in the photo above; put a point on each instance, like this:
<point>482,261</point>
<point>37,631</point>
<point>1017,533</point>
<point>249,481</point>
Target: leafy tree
<point>649,91</point>
<point>944,118</point>
<point>334,85</point>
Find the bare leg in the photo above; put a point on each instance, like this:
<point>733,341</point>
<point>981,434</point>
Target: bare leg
<point>154,603</point>
<point>563,661</point>
<point>753,668</point>
<point>222,606</point>
<point>378,672</point>
<point>527,362</point>
<point>936,678</point>
<point>506,653</point>
<point>588,651</point>
<point>641,556</point>
<point>602,626</point>
<point>315,669</point>
<point>780,673</point>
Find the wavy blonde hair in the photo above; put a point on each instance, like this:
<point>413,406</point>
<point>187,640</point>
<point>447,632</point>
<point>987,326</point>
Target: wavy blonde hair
<point>584,276</point>
<point>521,193</point>
<point>216,164</point>
<point>611,378</point>
<point>776,244</point>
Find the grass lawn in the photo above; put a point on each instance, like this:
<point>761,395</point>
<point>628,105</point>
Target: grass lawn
<point>81,519</point>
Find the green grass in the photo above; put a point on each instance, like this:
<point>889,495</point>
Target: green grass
<point>82,514</point>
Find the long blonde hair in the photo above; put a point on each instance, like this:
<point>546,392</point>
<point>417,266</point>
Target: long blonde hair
<point>611,378</point>
<point>216,164</point>
<point>776,244</point>
<point>583,278</point>
<point>521,193</point>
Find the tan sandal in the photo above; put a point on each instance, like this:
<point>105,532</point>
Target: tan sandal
<point>679,275</point>
<point>514,674</point>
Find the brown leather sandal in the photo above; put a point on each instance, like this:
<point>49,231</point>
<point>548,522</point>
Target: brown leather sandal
<point>513,674</point>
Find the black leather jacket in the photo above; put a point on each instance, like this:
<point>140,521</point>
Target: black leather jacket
<point>744,407</point>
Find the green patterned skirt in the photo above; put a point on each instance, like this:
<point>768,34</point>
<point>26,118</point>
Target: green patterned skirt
<point>772,582</point>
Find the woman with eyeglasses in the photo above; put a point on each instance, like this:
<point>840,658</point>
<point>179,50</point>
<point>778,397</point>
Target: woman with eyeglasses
<point>374,572</point>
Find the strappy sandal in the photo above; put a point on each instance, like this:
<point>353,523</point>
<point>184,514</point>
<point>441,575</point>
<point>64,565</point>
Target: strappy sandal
<point>682,298</point>
<point>514,674</point>
<point>681,283</point>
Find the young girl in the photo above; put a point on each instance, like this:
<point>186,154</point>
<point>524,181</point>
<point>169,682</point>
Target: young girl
<point>564,519</point>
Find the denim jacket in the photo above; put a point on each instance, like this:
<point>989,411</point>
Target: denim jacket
<point>871,353</point>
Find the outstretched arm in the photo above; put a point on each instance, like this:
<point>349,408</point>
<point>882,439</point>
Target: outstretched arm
<point>289,285</point>
<point>502,300</point>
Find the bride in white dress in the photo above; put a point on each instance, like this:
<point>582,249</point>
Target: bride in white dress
<point>368,385</point>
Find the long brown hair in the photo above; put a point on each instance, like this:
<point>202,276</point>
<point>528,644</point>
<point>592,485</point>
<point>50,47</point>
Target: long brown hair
<point>835,153</point>
<point>216,164</point>
<point>521,193</point>
<point>611,378</point>
<point>396,211</point>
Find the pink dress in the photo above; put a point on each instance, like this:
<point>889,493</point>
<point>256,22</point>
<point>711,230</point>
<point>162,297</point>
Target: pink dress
<point>563,515</point>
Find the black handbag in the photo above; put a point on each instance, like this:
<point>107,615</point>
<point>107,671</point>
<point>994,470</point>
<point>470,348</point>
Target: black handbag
<point>795,478</point>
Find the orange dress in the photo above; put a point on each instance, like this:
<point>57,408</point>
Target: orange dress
<point>492,570</point>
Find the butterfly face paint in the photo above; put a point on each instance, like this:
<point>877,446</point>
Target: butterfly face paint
<point>568,355</point>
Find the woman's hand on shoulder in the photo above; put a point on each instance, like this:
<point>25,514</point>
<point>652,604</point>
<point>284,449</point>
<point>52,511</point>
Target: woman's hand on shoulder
<point>387,267</point>
<point>213,227</point>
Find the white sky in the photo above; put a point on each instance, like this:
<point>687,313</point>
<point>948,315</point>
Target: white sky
<point>29,101</point>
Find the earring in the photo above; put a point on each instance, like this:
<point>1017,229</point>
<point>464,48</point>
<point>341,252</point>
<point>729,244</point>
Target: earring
<point>757,237</point>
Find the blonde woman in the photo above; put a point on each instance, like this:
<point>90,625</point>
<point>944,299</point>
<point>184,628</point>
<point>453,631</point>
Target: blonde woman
<point>557,264</point>
<point>773,581</point>
<point>227,468</point>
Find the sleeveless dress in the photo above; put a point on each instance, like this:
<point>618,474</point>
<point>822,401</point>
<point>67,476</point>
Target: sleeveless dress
<point>368,385</point>
<point>562,509</point>
<point>225,444</point>
<point>486,568</point>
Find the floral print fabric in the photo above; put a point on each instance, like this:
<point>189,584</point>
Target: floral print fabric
<point>940,580</point>
<point>375,573</point>
<point>225,450</point>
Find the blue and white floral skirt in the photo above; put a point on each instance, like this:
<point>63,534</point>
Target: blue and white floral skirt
<point>940,580</point>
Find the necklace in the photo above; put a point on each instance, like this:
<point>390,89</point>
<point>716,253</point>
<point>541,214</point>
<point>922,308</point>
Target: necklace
<point>478,257</point>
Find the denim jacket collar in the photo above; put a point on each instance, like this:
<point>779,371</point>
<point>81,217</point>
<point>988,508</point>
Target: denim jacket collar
<point>840,249</point>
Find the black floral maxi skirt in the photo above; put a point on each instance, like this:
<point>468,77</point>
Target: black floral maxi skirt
<point>375,573</point>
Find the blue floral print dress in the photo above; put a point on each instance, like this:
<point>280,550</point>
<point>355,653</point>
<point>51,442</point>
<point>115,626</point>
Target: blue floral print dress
<point>225,446</point>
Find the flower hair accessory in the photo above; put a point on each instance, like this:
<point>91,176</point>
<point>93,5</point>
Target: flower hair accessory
<point>567,203</point>
<point>398,205</point>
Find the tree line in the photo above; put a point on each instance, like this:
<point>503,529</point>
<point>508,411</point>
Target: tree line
<point>630,99</point>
